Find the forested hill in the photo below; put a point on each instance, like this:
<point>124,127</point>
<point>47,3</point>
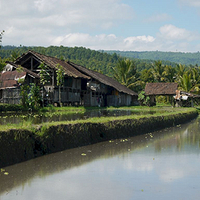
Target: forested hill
<point>91,59</point>
<point>176,57</point>
<point>101,61</point>
<point>97,60</point>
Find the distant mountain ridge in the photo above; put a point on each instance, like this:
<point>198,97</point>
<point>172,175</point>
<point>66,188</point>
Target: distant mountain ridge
<point>175,57</point>
<point>102,61</point>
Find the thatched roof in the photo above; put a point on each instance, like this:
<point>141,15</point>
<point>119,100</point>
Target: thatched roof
<point>161,88</point>
<point>52,63</point>
<point>104,79</point>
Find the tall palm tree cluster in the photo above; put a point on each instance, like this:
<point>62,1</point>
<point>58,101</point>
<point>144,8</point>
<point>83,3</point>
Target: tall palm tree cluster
<point>188,78</point>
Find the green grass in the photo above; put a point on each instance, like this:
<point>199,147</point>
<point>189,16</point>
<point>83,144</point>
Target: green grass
<point>107,119</point>
<point>159,111</point>
<point>64,108</point>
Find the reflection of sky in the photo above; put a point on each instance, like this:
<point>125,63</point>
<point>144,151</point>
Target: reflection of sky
<point>143,173</point>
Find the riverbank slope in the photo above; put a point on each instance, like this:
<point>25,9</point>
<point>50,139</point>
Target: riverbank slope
<point>18,145</point>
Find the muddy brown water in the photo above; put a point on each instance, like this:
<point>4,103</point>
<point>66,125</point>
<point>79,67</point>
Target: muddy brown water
<point>159,165</point>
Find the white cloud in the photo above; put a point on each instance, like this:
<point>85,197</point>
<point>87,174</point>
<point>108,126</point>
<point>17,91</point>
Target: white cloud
<point>31,22</point>
<point>169,38</point>
<point>87,23</point>
<point>139,39</point>
<point>159,18</point>
<point>194,3</point>
<point>101,41</point>
<point>72,11</point>
<point>172,174</point>
<point>99,13</point>
<point>171,32</point>
<point>45,5</point>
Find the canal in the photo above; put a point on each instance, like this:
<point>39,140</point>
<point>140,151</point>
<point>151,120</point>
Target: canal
<point>158,165</point>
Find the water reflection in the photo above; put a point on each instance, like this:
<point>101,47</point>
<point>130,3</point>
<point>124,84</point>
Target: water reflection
<point>159,165</point>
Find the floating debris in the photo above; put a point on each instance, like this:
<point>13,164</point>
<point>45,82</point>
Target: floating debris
<point>83,154</point>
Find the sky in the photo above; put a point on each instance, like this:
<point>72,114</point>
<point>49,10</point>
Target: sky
<point>126,25</point>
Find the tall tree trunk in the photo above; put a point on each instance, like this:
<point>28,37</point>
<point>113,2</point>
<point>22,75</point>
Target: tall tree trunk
<point>59,91</point>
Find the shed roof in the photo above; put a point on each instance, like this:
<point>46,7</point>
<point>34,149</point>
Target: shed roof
<point>104,79</point>
<point>161,88</point>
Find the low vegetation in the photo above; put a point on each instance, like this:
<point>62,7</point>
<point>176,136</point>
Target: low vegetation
<point>144,111</point>
<point>25,141</point>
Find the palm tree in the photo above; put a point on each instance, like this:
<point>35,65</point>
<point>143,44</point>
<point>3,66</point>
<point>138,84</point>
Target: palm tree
<point>190,81</point>
<point>158,71</point>
<point>186,82</point>
<point>125,72</point>
<point>169,73</point>
<point>147,76</point>
<point>180,71</point>
<point>195,73</point>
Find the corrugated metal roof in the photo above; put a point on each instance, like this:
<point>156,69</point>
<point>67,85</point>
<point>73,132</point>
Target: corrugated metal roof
<point>9,79</point>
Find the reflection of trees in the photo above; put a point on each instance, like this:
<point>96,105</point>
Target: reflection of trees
<point>180,137</point>
<point>192,136</point>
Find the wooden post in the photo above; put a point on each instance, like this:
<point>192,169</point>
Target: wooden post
<point>31,63</point>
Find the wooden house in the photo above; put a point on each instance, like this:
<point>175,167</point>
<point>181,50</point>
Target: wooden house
<point>105,91</point>
<point>81,85</point>
<point>73,79</point>
<point>156,89</point>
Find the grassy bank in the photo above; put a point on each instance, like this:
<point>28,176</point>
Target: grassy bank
<point>25,142</point>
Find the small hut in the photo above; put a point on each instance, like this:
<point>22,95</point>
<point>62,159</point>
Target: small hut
<point>156,89</point>
<point>186,99</point>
